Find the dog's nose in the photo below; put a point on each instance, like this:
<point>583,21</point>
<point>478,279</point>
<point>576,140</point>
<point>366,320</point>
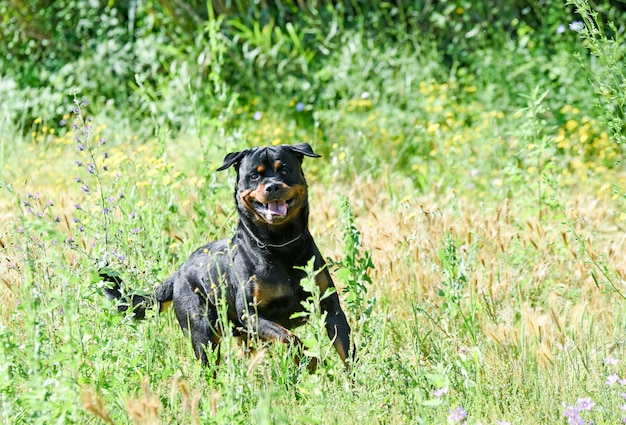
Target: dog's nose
<point>272,188</point>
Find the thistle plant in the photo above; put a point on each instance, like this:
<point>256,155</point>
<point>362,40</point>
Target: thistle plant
<point>353,269</point>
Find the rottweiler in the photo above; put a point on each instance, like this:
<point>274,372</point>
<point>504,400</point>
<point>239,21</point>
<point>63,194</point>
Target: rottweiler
<point>257,272</point>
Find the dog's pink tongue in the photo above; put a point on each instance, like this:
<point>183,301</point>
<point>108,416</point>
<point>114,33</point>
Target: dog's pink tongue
<point>277,207</point>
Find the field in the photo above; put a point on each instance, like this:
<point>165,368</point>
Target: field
<point>470,200</point>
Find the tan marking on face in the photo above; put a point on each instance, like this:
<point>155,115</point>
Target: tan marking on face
<point>260,168</point>
<point>298,191</point>
<point>277,165</point>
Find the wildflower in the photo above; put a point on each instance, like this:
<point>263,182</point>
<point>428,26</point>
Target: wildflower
<point>560,29</point>
<point>102,142</point>
<point>105,210</point>
<point>91,168</point>
<point>257,115</point>
<point>81,228</point>
<point>611,379</point>
<point>300,106</point>
<point>585,403</point>
<point>85,188</point>
<point>577,26</point>
<point>135,231</point>
<point>440,392</point>
<point>573,416</point>
<point>79,164</point>
<point>612,361</point>
<point>106,155</point>
<point>457,414</point>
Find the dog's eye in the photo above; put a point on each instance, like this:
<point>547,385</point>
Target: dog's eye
<point>254,176</point>
<point>284,172</point>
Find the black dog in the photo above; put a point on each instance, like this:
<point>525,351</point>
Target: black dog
<point>256,272</point>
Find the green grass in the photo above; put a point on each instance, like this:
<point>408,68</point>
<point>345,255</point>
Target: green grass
<point>475,217</point>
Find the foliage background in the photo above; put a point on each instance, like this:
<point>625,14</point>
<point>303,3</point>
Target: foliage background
<point>480,145</point>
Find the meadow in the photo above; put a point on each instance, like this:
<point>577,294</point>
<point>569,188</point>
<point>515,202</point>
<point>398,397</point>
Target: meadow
<point>470,200</point>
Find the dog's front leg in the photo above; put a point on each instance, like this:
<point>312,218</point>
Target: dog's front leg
<point>337,327</point>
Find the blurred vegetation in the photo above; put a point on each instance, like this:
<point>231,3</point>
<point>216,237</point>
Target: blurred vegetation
<point>159,58</point>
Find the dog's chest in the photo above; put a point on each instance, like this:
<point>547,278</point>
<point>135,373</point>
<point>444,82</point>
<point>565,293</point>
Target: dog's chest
<point>277,294</point>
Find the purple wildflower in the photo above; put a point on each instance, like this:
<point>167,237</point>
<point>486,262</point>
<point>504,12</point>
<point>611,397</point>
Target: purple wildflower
<point>257,115</point>
<point>300,106</point>
<point>585,403</point>
<point>573,416</point>
<point>440,392</point>
<point>457,414</point>
<point>135,231</point>
<point>611,379</point>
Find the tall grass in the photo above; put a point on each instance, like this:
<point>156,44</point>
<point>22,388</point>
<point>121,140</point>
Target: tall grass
<point>474,216</point>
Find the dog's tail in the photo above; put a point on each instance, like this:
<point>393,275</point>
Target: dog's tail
<point>163,295</point>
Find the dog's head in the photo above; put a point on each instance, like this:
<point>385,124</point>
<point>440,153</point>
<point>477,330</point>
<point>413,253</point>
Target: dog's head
<point>271,188</point>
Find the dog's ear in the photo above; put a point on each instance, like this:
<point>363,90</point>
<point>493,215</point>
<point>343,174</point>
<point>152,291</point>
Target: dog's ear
<point>303,149</point>
<point>233,158</point>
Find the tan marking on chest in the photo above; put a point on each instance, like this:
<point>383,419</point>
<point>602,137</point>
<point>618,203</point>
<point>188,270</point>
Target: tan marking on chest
<point>265,293</point>
<point>164,306</point>
<point>322,279</point>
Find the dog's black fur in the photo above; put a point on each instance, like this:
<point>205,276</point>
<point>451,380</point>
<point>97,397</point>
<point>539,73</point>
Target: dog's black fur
<point>256,272</point>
